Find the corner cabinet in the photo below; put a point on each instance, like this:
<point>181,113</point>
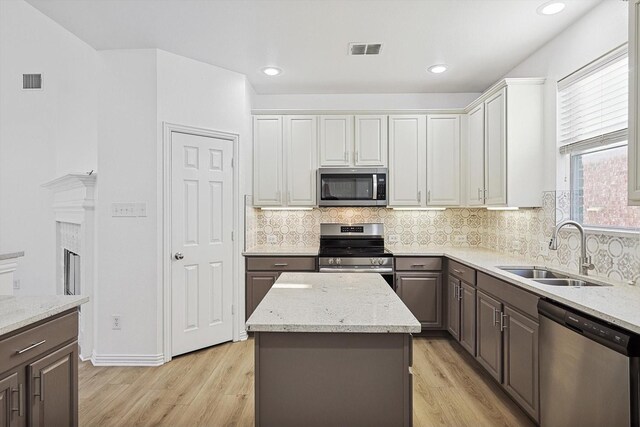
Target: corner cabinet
<point>634,102</point>
<point>505,146</point>
<point>407,160</point>
<point>285,160</point>
<point>443,160</point>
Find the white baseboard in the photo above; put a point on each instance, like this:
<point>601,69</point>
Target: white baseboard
<point>243,335</point>
<point>127,359</point>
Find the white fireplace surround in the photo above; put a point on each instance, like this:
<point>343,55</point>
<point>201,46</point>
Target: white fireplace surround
<point>74,207</point>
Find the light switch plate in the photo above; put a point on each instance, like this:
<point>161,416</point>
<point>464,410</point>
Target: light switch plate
<point>272,240</point>
<point>123,209</point>
<point>393,238</point>
<point>460,238</point>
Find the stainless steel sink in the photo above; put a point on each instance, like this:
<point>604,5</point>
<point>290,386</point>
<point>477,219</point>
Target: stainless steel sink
<point>532,272</point>
<point>567,282</point>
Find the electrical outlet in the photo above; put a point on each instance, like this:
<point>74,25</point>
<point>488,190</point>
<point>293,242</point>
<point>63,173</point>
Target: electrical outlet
<point>460,238</point>
<point>272,240</point>
<point>16,283</point>
<point>141,209</point>
<point>116,322</point>
<point>393,238</point>
<point>544,248</point>
<point>516,245</point>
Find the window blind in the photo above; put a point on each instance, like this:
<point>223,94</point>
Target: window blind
<point>593,102</point>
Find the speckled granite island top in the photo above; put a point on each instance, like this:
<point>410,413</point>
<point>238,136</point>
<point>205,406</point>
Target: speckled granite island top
<point>19,311</point>
<point>332,302</point>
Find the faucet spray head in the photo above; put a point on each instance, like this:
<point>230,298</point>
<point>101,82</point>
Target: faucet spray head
<point>553,244</point>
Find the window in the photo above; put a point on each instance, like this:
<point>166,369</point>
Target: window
<point>593,134</point>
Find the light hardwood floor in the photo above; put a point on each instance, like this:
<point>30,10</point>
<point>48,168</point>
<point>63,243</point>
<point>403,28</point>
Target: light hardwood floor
<point>214,387</point>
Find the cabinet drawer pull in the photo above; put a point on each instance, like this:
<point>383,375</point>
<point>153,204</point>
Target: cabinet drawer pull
<point>459,271</point>
<point>503,323</point>
<point>32,346</point>
<point>280,264</point>
<point>417,265</point>
<point>20,408</point>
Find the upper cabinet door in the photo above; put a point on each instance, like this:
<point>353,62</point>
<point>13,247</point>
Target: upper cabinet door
<point>407,160</point>
<point>336,140</point>
<point>496,149</point>
<point>634,99</point>
<point>370,141</point>
<point>267,161</point>
<point>301,142</point>
<point>443,160</point>
<point>475,157</point>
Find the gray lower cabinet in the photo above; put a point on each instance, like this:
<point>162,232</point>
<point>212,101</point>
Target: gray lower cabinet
<point>39,374</point>
<point>468,317</point>
<point>422,294</point>
<point>262,273</point>
<point>507,338</point>
<point>453,307</point>
<point>461,305</point>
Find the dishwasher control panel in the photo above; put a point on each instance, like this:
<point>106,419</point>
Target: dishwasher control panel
<point>593,328</point>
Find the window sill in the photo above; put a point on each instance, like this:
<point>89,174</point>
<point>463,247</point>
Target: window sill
<point>619,232</point>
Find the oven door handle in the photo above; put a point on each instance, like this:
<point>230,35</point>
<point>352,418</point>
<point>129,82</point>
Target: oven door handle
<point>375,186</point>
<point>355,270</point>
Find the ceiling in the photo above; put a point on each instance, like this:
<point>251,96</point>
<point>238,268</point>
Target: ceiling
<point>480,40</point>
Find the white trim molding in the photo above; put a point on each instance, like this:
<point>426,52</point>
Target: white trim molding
<point>164,292</point>
<point>126,359</point>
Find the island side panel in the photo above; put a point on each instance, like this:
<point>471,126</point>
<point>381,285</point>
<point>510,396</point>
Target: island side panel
<point>320,379</point>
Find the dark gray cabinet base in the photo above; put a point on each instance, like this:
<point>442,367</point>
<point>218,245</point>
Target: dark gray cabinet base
<point>324,379</point>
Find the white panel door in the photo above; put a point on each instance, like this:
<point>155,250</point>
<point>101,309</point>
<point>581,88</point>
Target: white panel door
<point>201,226</point>
<point>336,140</point>
<point>496,149</point>
<point>443,160</point>
<point>370,141</point>
<point>475,157</point>
<point>267,161</point>
<point>301,142</point>
<point>407,160</point>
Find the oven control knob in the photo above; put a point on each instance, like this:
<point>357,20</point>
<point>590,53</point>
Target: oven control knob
<point>330,260</point>
<point>338,261</point>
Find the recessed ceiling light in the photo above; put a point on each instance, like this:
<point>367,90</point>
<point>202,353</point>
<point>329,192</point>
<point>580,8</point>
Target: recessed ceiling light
<point>271,71</point>
<point>437,69</point>
<point>551,8</point>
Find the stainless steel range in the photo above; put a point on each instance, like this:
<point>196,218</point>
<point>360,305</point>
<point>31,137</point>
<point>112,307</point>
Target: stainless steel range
<point>355,248</point>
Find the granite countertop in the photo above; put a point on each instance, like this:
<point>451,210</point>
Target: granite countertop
<point>19,311</point>
<point>332,302</point>
<point>618,304</point>
<point>277,250</point>
<point>11,255</point>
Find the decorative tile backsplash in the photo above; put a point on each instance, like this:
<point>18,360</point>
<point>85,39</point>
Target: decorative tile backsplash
<point>523,233</point>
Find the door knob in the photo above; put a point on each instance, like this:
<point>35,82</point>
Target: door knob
<point>178,255</point>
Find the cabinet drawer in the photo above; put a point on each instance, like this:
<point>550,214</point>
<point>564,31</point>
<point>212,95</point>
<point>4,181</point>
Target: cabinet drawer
<point>418,264</point>
<point>41,338</point>
<point>517,298</point>
<point>462,272</point>
<point>281,264</point>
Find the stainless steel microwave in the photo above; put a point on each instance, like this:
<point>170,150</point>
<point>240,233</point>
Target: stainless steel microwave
<point>352,187</point>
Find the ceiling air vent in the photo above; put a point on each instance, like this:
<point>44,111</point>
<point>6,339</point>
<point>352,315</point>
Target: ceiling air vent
<point>32,81</point>
<point>365,48</point>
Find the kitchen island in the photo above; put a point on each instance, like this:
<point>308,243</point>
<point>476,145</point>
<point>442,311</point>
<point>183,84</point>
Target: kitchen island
<point>333,349</point>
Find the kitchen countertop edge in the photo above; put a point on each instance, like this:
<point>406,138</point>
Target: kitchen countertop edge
<point>30,310</point>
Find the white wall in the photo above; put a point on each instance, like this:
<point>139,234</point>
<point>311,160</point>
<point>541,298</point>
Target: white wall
<point>598,32</point>
<point>376,101</point>
<point>43,134</point>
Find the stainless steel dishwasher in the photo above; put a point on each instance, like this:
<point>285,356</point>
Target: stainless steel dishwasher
<point>589,371</point>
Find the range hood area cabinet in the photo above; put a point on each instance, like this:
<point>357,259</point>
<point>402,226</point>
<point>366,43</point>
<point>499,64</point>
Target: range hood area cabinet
<point>634,100</point>
<point>284,163</point>
<point>424,160</point>
<point>505,151</point>
<point>353,141</point>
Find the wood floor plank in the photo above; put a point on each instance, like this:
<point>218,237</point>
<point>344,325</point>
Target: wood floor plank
<point>215,387</point>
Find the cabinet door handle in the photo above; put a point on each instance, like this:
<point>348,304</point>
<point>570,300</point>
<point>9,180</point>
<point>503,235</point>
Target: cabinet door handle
<point>455,290</point>
<point>346,159</point>
<point>281,264</point>
<point>460,292</point>
<point>288,196</point>
<point>31,347</point>
<point>20,408</point>
<point>495,318</point>
<point>479,194</point>
<point>503,323</point>
<point>355,156</point>
<point>37,391</point>
<point>419,196</point>
<point>428,196</point>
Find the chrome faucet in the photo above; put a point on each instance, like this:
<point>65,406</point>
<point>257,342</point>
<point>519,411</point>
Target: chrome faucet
<point>585,260</point>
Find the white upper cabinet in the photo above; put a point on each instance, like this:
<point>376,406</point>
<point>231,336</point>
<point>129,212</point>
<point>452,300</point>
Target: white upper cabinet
<point>300,142</point>
<point>475,157</point>
<point>336,141</point>
<point>267,161</point>
<point>407,160</point>
<point>443,160</point>
<point>634,99</point>
<point>370,141</point>
<point>504,162</point>
<point>496,150</point>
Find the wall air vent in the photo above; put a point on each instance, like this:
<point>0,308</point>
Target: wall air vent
<point>365,48</point>
<point>32,81</point>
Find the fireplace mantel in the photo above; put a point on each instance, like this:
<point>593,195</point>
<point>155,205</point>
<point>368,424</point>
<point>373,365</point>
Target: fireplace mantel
<point>73,194</point>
